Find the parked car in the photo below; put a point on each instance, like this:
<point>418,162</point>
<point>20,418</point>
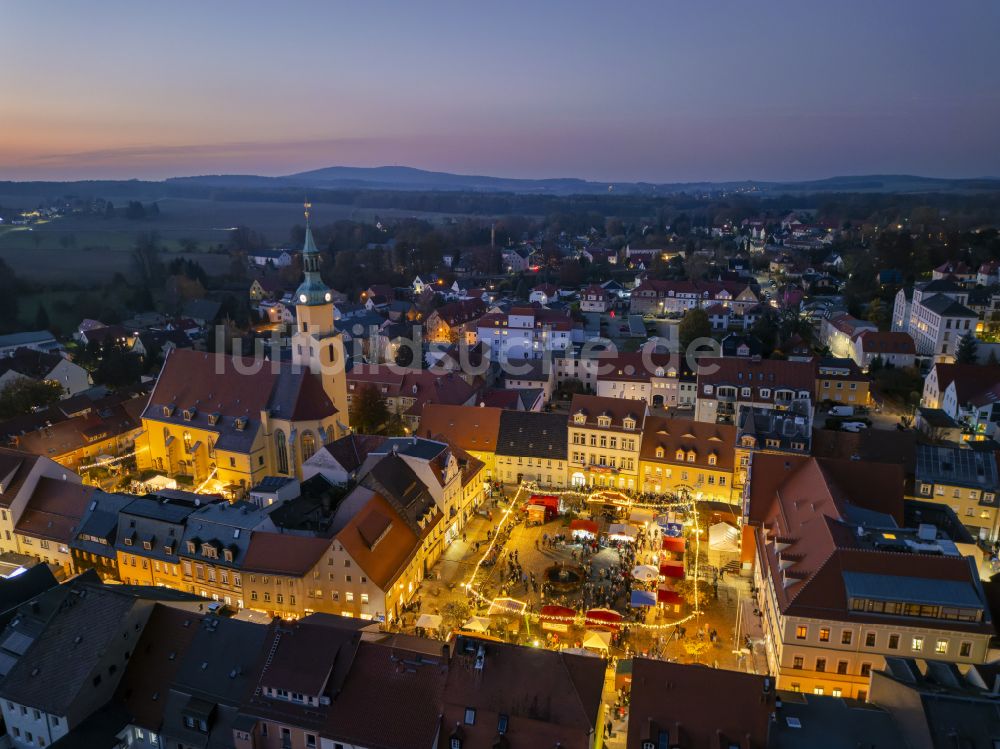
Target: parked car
<point>842,411</point>
<point>853,426</point>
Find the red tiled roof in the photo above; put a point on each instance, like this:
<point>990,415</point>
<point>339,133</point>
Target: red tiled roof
<point>671,697</point>
<point>702,437</point>
<point>472,428</point>
<point>876,342</point>
<point>284,554</point>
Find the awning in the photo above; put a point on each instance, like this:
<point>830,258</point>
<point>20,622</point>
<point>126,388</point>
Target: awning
<point>645,572</point>
<point>723,537</point>
<point>672,569</point>
<point>477,624</point>
<point>643,598</point>
<point>428,621</point>
<point>603,618</point>
<point>553,612</point>
<point>545,500</point>
<point>556,618</point>
<point>673,544</point>
<point>664,595</point>
<point>597,640</point>
<point>583,526</point>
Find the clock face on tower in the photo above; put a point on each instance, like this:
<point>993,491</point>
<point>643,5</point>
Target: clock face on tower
<point>328,296</point>
<point>303,298</point>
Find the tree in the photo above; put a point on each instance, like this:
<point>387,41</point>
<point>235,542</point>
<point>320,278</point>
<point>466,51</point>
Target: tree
<point>967,348</point>
<point>24,395</point>
<point>694,325</point>
<point>455,613</point>
<point>42,321</point>
<point>876,312</point>
<point>369,411</point>
<point>118,366</point>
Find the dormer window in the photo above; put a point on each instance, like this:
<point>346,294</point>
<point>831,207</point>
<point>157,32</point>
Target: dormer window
<point>659,452</point>
<point>168,411</point>
<point>168,549</point>
<point>708,389</point>
<point>213,418</point>
<point>679,455</point>
<point>712,459</point>
<point>580,418</point>
<point>192,547</point>
<point>189,413</point>
<point>603,421</point>
<point>240,423</point>
<point>691,456</point>
<point>629,423</point>
<point>207,550</point>
<point>228,555</point>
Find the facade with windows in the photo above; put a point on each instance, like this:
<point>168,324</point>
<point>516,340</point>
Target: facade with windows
<point>838,595</point>
<point>604,441</point>
<point>681,455</point>
<point>963,479</point>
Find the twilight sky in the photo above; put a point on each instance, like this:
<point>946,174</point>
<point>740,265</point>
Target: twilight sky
<point>665,90</point>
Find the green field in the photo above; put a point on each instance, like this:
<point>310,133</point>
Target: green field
<point>88,249</point>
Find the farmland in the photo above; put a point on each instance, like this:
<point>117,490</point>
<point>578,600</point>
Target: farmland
<point>88,249</point>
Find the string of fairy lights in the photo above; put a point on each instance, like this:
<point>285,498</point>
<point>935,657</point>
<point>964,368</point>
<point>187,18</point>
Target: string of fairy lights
<point>473,590</point>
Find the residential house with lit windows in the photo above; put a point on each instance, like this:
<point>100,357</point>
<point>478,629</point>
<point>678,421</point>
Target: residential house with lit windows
<point>653,378</point>
<point>47,525</point>
<point>965,480</point>
<point>214,547</point>
<point>969,394</point>
<point>655,296</point>
<point>848,574</point>
<point>524,332</point>
<point>531,446</point>
<point>841,381</point>
<point>681,455</point>
<point>725,385</point>
<point>21,475</point>
<point>149,534</point>
<point>444,325</point>
<point>595,298</point>
<point>605,436</point>
<point>372,550</point>
<point>936,317</point>
<point>772,432</point>
<point>92,546</point>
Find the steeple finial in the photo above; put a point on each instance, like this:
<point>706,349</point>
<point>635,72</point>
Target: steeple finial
<point>308,208</point>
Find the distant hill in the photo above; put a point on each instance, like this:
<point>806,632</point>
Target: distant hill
<point>408,178</point>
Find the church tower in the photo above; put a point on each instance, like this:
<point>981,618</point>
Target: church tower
<point>316,345</point>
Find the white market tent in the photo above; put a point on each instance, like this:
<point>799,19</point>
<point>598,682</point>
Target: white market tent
<point>622,531</point>
<point>477,624</point>
<point>428,621</point>
<point>157,483</point>
<point>645,572</point>
<point>723,537</point>
<point>596,640</point>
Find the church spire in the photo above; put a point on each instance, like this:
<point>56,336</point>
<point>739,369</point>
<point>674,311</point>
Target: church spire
<point>312,290</point>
